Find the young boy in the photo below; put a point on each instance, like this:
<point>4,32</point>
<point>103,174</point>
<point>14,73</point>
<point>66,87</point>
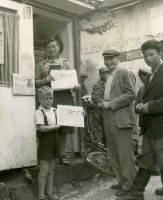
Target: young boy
<point>152,121</point>
<point>46,124</point>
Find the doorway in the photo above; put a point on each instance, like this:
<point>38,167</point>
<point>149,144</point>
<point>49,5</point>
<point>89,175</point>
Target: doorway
<point>46,25</point>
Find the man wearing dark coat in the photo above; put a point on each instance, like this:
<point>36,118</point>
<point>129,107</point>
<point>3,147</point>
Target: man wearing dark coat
<point>152,121</point>
<point>98,96</point>
<point>159,191</point>
<point>84,91</point>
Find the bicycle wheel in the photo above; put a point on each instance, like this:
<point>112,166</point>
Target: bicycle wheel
<point>95,126</point>
<point>100,161</point>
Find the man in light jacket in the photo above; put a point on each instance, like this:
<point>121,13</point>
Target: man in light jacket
<point>119,121</point>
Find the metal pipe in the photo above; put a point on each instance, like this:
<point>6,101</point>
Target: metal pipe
<point>124,6</point>
<point>101,11</point>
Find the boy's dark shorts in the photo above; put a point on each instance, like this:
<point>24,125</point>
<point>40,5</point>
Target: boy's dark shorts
<point>48,146</point>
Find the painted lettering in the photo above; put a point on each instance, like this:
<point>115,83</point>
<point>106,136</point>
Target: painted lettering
<point>138,40</point>
<point>120,44</point>
<point>133,55</point>
<point>129,55</point>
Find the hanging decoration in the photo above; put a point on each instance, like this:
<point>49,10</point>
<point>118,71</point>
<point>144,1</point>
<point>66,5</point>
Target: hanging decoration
<point>103,27</point>
<point>99,29</point>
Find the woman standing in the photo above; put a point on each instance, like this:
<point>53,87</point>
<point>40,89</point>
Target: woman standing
<point>53,49</point>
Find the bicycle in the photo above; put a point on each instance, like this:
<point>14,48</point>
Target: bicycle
<point>94,150</point>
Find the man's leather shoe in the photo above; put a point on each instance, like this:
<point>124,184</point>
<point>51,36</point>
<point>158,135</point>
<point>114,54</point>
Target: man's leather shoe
<point>121,193</point>
<point>53,197</point>
<point>131,197</point>
<point>159,191</point>
<point>64,161</point>
<point>116,187</point>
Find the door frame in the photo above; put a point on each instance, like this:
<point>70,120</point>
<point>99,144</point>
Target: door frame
<point>74,55</point>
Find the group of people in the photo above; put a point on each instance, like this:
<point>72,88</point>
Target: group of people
<point>115,94</point>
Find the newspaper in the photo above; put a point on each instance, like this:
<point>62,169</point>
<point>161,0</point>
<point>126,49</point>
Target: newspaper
<point>70,116</point>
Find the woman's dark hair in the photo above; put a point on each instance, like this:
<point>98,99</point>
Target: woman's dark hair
<point>151,44</point>
<point>56,39</point>
<point>51,40</point>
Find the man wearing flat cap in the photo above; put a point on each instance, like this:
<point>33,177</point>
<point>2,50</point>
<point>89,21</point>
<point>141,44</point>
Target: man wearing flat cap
<point>98,96</point>
<point>119,121</point>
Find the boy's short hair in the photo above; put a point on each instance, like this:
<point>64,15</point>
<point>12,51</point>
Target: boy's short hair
<point>151,44</point>
<point>44,90</point>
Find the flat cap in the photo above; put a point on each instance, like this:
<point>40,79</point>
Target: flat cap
<point>84,75</point>
<point>110,52</point>
<point>103,69</point>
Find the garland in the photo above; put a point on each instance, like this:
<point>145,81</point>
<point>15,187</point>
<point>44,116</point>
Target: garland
<point>99,29</point>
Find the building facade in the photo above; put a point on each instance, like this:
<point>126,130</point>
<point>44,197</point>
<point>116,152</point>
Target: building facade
<point>24,26</point>
<point>136,22</point>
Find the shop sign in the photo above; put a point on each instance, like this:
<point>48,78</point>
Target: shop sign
<point>131,55</point>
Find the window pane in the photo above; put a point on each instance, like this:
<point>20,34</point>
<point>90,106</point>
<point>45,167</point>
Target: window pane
<point>9,22</point>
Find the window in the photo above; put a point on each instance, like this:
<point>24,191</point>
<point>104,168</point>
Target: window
<point>10,23</point>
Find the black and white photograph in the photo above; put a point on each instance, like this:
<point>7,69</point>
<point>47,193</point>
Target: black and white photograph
<point>81,99</point>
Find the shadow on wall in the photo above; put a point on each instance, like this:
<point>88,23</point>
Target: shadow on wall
<point>91,69</point>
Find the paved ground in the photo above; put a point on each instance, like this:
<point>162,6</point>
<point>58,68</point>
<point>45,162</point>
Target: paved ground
<point>94,188</point>
<point>100,190</point>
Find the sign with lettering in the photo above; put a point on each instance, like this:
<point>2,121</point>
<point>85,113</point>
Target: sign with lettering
<point>128,43</point>
<point>131,55</point>
<point>64,79</point>
<point>70,116</point>
<point>26,63</point>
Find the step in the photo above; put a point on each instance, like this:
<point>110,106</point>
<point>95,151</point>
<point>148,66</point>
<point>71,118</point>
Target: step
<point>77,170</point>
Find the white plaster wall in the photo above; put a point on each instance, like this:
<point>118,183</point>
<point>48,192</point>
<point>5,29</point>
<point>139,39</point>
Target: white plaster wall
<point>134,24</point>
<point>17,129</point>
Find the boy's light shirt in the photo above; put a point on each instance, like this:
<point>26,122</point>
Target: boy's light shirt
<point>108,85</point>
<point>39,117</point>
<point>152,74</point>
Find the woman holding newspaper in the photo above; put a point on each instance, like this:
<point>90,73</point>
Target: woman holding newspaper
<point>64,97</point>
